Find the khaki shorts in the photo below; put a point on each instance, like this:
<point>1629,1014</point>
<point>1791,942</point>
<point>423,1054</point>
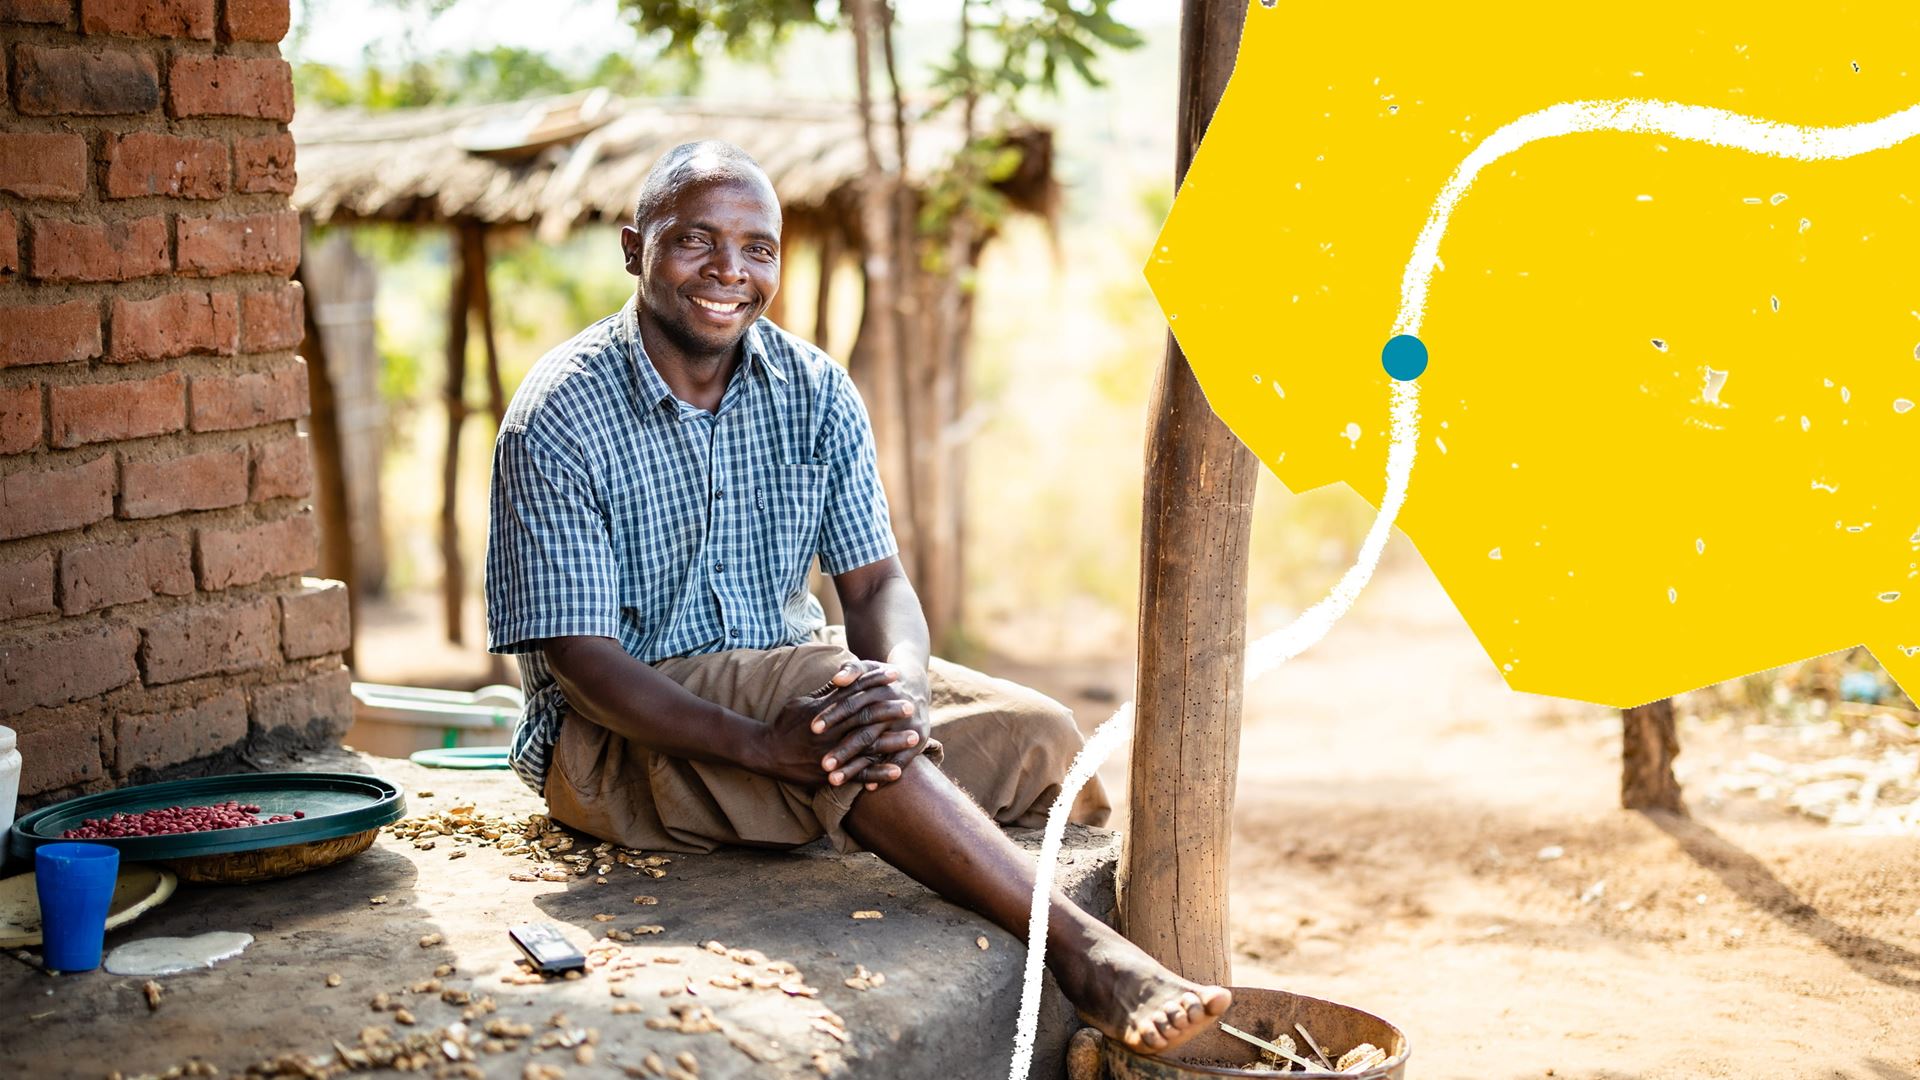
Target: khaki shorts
<point>1005,745</point>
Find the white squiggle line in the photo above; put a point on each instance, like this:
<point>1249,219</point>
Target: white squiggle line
<point>1690,123</point>
<point>1693,123</point>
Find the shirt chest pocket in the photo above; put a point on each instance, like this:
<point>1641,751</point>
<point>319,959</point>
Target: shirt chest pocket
<point>788,502</point>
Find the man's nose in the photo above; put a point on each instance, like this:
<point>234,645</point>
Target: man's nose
<point>727,264</point>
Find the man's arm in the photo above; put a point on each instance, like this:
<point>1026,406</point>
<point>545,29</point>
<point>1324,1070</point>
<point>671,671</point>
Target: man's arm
<point>885,623</point>
<point>605,685</point>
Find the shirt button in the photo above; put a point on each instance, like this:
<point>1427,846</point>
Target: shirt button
<point>719,494</point>
<point>733,632</point>
<point>719,568</point>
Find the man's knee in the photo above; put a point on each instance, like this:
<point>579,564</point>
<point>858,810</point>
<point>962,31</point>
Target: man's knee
<point>1052,733</point>
<point>812,666</point>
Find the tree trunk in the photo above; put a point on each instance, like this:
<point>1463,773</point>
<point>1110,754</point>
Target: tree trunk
<point>1647,749</point>
<point>452,568</point>
<point>875,361</point>
<point>329,466</point>
<point>1197,517</point>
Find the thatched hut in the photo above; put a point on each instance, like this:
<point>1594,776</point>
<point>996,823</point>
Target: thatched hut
<point>555,164</point>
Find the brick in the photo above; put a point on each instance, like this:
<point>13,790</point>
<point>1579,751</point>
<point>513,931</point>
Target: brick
<point>175,324</point>
<point>76,82</point>
<point>60,757</point>
<point>272,319</point>
<point>282,469</point>
<point>204,481</point>
<point>148,18</point>
<point>19,419</point>
<point>149,163</point>
<point>125,409</point>
<point>230,86</point>
<point>9,243</point>
<point>49,333</point>
<point>264,164</point>
<point>315,620</point>
<point>102,575</point>
<point>43,165</point>
<point>242,556</point>
<point>36,11</point>
<point>256,20</point>
<point>156,740</point>
<point>26,587</point>
<point>254,244</point>
<point>55,497</point>
<point>209,639</point>
<point>315,712</point>
<point>54,665</point>
<point>117,251</point>
<point>226,402</point>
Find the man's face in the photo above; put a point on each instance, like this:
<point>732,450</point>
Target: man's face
<point>709,265</point>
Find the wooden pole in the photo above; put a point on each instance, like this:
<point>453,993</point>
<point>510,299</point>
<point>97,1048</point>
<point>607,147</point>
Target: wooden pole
<point>473,254</point>
<point>329,465</point>
<point>1197,517</point>
<point>452,569</point>
<point>823,296</point>
<point>1648,746</point>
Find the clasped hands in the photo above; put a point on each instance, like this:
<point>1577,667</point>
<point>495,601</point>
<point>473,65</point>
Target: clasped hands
<point>863,726</point>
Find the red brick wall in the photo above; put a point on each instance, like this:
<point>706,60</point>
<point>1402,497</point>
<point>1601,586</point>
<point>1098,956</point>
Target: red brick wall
<point>154,485</point>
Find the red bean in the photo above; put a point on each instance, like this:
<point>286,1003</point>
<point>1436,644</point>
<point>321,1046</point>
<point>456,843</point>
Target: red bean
<point>175,819</point>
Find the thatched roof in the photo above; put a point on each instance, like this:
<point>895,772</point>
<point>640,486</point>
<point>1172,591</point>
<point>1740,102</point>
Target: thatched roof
<point>558,162</point>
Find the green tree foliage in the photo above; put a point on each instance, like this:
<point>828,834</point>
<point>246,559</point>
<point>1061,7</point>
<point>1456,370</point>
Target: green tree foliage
<point>751,28</point>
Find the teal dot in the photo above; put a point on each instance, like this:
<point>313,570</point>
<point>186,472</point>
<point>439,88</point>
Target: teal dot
<point>1404,357</point>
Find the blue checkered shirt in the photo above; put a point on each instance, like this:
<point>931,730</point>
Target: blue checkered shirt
<point>620,511</point>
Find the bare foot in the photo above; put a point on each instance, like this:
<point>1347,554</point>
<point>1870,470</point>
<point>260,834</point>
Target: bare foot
<point>1130,997</point>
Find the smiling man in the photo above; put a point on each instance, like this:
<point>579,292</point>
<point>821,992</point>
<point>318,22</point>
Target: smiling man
<point>662,484</point>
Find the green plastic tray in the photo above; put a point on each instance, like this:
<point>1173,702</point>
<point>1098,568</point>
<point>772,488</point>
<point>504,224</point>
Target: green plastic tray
<point>336,804</point>
<point>462,757</point>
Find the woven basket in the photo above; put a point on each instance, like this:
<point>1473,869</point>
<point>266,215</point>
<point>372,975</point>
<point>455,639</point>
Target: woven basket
<point>240,867</point>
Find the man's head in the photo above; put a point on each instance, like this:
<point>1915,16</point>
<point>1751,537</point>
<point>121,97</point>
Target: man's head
<point>705,244</point>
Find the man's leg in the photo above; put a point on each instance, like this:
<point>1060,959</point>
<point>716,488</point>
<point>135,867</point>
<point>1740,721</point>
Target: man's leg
<point>1008,746</point>
<point>933,832</point>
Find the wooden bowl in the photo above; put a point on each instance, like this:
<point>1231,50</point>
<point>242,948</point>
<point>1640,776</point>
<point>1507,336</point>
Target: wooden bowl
<point>1266,1013</point>
<point>265,864</point>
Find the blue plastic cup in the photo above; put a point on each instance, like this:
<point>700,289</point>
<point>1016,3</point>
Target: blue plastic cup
<point>75,883</point>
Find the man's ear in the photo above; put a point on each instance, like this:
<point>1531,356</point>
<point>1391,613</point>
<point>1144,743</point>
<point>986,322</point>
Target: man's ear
<point>632,247</point>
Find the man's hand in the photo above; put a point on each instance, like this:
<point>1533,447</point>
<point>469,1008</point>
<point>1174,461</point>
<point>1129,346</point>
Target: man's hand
<point>881,733</point>
<point>806,739</point>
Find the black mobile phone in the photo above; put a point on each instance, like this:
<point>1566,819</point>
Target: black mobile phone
<point>550,952</point>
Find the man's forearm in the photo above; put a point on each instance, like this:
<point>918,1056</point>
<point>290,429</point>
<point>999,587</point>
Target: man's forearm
<point>887,624</point>
<point>607,686</point>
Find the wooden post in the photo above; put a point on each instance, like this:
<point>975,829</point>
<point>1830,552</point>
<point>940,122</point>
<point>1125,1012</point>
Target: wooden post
<point>452,569</point>
<point>823,296</point>
<point>1197,517</point>
<point>473,255</point>
<point>1648,746</point>
<point>329,466</point>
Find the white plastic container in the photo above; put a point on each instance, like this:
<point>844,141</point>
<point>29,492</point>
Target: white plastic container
<point>9,786</point>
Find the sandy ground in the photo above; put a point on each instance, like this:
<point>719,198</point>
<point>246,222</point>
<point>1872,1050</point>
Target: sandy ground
<point>1394,800</point>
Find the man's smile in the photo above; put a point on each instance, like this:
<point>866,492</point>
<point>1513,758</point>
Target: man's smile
<point>728,308</point>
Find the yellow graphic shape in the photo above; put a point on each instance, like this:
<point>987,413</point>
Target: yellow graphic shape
<point>1668,434</point>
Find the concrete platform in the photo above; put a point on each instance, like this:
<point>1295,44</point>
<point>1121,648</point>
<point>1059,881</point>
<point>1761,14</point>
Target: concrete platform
<point>945,1011</point>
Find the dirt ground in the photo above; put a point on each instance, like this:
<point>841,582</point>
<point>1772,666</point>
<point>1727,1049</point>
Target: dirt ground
<point>1394,803</point>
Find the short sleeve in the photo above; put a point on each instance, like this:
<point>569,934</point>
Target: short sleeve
<point>550,566</point>
<point>855,529</point>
